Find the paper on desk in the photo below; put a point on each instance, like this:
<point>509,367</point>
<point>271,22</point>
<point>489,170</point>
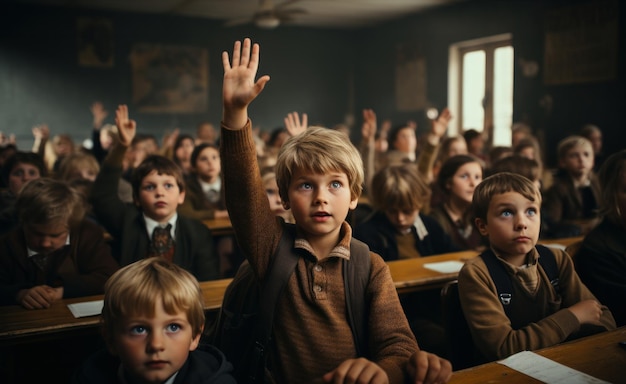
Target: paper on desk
<point>87,308</point>
<point>556,245</point>
<point>445,266</point>
<point>546,370</point>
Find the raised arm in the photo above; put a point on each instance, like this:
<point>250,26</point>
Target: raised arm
<point>126,128</point>
<point>293,124</point>
<point>239,87</point>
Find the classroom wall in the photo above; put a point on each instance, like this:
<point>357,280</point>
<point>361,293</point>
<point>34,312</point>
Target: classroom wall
<point>41,81</point>
<point>433,32</point>
<point>330,74</point>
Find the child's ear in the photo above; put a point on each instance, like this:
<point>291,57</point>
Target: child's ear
<point>196,340</point>
<point>181,197</point>
<point>481,226</point>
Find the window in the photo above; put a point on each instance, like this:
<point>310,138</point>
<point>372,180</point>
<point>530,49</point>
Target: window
<point>481,87</point>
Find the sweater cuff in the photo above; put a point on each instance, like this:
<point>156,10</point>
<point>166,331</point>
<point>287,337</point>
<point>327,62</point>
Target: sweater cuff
<point>237,140</point>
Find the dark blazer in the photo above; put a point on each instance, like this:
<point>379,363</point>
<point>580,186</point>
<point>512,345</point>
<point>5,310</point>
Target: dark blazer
<point>196,205</point>
<point>380,235</point>
<point>194,249</point>
<point>83,266</point>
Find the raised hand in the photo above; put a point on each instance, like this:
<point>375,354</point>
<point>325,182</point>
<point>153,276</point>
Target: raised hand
<point>41,132</point>
<point>440,125</point>
<point>169,139</point>
<point>293,125</point>
<point>126,128</point>
<point>368,129</point>
<point>240,87</point>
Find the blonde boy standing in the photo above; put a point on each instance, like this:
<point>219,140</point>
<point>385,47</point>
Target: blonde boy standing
<point>320,176</point>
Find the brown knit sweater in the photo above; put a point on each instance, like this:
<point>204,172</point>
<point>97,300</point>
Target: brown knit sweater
<point>311,333</point>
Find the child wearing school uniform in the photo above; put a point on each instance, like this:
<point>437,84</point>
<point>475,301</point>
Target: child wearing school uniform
<point>54,252</point>
<point>151,226</point>
<point>540,310</point>
<point>320,176</point>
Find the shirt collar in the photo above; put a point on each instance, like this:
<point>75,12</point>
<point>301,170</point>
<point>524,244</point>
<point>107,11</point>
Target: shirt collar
<point>206,187</point>
<point>151,224</point>
<point>420,228</point>
<point>32,253</point>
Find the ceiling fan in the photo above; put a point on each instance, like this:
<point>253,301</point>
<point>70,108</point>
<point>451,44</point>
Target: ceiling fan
<point>270,16</point>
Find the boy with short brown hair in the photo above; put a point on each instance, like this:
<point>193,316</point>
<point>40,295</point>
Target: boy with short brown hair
<point>320,176</point>
<point>54,252</point>
<point>541,310</point>
<point>152,225</point>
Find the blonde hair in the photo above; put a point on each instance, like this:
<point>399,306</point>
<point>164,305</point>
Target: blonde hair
<point>399,187</point>
<point>498,184</point>
<point>570,142</point>
<point>77,161</point>
<point>319,150</point>
<point>45,201</point>
<point>134,290</point>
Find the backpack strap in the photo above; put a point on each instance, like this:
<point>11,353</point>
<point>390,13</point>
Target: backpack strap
<point>280,270</point>
<point>502,280</point>
<point>548,263</point>
<point>356,273</point>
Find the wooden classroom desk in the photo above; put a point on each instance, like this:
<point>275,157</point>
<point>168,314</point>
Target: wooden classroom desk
<point>219,227</point>
<point>599,356</point>
<point>19,325</point>
<point>410,275</point>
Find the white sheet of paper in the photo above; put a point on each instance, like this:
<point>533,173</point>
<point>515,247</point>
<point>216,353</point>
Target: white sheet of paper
<point>87,308</point>
<point>555,245</point>
<point>445,266</point>
<point>546,370</point>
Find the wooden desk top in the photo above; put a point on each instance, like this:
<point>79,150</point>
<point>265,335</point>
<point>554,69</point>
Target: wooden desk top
<point>409,275</point>
<point>19,323</point>
<point>219,227</point>
<point>599,356</point>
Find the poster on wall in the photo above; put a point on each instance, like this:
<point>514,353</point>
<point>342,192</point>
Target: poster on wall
<point>410,79</point>
<point>581,43</point>
<point>170,79</point>
<point>95,42</point>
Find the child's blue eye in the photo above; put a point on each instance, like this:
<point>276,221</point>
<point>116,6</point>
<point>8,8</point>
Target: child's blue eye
<point>506,213</point>
<point>169,185</point>
<point>173,328</point>
<point>138,330</point>
<point>531,212</point>
<point>148,187</point>
<point>306,186</point>
<point>335,185</point>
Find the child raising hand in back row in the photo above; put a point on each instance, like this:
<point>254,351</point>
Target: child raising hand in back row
<point>320,176</point>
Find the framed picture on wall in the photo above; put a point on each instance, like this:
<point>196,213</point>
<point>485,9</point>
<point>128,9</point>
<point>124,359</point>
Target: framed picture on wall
<point>95,42</point>
<point>581,43</point>
<point>410,80</point>
<point>170,79</point>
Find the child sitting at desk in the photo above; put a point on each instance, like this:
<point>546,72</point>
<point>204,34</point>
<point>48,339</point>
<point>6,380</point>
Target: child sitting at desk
<point>152,226</point>
<point>546,302</point>
<point>152,321</point>
<point>54,253</point>
<point>320,176</point>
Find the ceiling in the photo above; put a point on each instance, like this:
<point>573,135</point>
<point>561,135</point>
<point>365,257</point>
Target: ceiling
<point>310,13</point>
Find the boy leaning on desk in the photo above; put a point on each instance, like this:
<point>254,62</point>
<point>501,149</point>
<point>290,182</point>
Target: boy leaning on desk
<point>320,175</point>
<point>54,253</point>
<point>540,310</point>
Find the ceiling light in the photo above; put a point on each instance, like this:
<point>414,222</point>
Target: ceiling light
<point>267,22</point>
